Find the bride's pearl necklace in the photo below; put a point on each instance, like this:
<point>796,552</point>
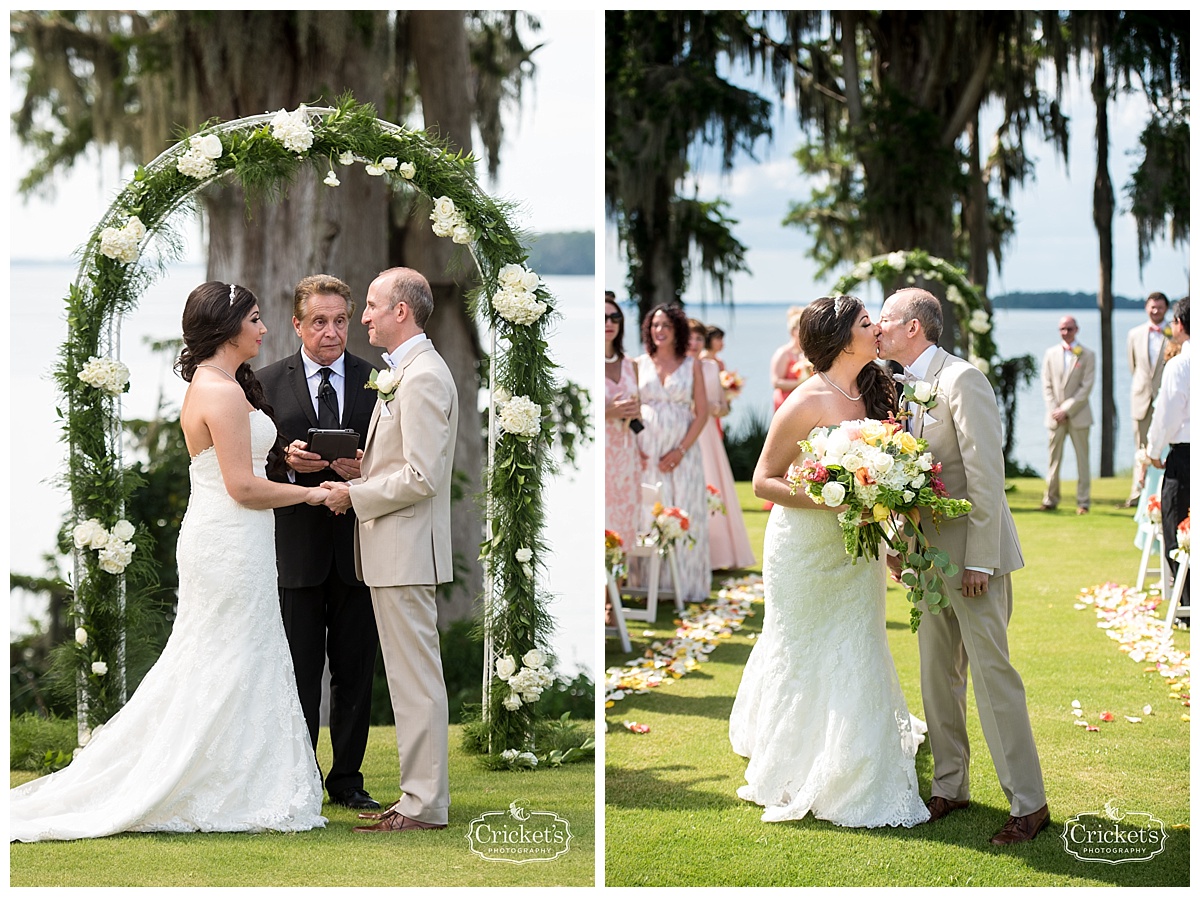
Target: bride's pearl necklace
<point>839,389</point>
<point>611,359</point>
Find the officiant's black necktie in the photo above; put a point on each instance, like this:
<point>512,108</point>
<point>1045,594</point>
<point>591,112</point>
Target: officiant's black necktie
<point>328,416</point>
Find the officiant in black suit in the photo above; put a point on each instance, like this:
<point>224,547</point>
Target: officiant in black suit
<point>326,608</point>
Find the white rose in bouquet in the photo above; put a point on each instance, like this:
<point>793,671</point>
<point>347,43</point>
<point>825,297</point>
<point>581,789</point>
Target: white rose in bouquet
<point>833,494</point>
<point>99,668</point>
<point>90,534</point>
<point>388,163</point>
<point>510,275</point>
<point>407,170</point>
<point>124,530</point>
<point>81,637</point>
<point>530,280</point>
<point>512,702</point>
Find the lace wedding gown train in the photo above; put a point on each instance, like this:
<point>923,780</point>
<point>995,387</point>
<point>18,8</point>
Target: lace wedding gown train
<point>214,739</point>
<point>819,712</point>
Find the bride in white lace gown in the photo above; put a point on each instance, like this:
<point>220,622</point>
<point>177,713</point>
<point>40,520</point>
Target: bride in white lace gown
<point>214,739</point>
<point>819,712</point>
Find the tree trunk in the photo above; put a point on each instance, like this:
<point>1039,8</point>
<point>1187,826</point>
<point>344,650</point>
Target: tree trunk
<point>1102,216</point>
<point>437,41</point>
<point>975,210</point>
<point>313,229</point>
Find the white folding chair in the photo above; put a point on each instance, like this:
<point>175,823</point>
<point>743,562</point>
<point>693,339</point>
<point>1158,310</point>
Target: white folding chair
<point>642,549</point>
<point>618,614</point>
<point>1174,610</point>
<point>1154,543</point>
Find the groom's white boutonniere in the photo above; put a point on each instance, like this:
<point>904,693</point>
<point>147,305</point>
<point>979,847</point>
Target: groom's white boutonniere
<point>920,393</point>
<point>385,383</point>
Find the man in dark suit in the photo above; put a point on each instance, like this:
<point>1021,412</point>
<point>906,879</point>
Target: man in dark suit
<point>326,607</point>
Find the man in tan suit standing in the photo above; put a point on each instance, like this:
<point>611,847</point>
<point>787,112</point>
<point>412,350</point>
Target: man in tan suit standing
<point>402,541</point>
<point>964,434</point>
<point>1068,373</point>
<point>1145,346</point>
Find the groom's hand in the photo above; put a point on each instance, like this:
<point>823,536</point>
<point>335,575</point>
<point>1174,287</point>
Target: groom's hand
<point>338,499</point>
<point>974,583</point>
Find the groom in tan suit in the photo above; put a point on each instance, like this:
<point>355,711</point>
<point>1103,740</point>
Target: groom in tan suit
<point>402,541</point>
<point>963,431</point>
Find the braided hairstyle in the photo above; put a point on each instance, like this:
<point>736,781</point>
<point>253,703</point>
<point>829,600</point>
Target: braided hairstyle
<point>826,328</point>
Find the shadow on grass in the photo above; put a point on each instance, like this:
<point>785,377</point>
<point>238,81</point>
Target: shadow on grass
<point>644,789</point>
<point>674,704</point>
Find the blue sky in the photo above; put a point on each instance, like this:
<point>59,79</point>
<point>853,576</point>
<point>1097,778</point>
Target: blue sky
<point>1054,247</point>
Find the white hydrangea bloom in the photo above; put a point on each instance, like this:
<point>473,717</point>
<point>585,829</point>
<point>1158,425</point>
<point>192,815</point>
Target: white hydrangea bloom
<point>521,417</point>
<point>292,129</point>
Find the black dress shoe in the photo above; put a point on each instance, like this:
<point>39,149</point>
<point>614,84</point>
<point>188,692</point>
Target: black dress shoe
<point>355,799</point>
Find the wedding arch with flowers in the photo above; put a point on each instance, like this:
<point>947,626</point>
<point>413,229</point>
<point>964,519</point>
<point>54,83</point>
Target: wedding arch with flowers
<point>263,153</point>
<point>897,269</point>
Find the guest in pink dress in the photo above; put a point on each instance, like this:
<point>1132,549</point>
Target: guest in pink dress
<point>728,543</point>
<point>789,367</point>
<point>623,464</point>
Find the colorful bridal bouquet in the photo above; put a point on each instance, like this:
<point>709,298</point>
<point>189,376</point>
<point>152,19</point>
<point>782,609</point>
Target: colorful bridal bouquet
<point>882,476</point>
<point>715,504</point>
<point>669,528</point>
<point>614,553</point>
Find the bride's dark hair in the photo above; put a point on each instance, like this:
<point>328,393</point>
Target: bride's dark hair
<point>213,315</point>
<point>825,329</point>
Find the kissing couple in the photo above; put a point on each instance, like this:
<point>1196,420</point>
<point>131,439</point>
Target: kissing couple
<point>819,712</point>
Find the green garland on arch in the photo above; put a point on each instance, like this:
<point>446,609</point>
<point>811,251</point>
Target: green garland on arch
<point>895,270</point>
<point>263,154</point>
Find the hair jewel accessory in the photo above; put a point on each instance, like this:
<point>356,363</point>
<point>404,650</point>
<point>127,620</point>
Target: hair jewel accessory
<point>841,303</point>
<point>232,288</point>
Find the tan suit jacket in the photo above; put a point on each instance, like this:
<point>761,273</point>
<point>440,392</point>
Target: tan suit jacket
<point>1147,371</point>
<point>1068,390</point>
<point>402,550</point>
<point>402,499</point>
<point>970,448</point>
<point>964,434</point>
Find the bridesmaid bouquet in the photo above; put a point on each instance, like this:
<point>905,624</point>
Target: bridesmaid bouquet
<point>732,383</point>
<point>883,476</point>
<point>715,504</point>
<point>614,554</point>
<point>669,527</point>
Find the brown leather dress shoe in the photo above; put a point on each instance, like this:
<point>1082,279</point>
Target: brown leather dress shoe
<point>397,822</point>
<point>940,806</point>
<point>390,808</point>
<point>1019,829</point>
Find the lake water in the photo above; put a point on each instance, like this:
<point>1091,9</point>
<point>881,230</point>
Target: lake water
<point>754,332</point>
<point>37,505</point>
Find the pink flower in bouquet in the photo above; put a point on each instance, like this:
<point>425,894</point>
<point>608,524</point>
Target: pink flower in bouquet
<point>812,472</point>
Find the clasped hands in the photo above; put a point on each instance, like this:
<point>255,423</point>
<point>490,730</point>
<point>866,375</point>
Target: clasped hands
<point>336,496</point>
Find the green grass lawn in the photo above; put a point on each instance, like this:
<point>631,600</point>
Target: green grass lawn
<point>335,855</point>
<point>673,818</point>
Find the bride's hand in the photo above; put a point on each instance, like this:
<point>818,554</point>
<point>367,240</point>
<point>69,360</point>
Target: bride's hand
<point>316,496</point>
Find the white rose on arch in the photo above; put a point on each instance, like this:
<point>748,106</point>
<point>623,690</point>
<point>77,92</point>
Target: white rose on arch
<point>506,667</point>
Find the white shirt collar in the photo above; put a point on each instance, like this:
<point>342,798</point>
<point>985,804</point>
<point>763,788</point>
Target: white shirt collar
<point>393,358</point>
<point>311,367</point>
<point>920,367</point>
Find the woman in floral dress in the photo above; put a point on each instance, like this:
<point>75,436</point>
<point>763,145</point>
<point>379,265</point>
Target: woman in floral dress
<point>675,411</point>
